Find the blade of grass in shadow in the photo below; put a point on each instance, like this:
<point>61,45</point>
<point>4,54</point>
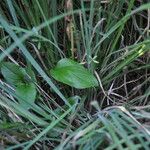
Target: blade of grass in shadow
<point>111,130</point>
<point>34,31</point>
<point>13,13</point>
<point>116,26</point>
<point>85,34</point>
<point>131,4</point>
<point>48,128</point>
<point>22,30</point>
<point>16,108</point>
<point>136,53</point>
<point>50,33</point>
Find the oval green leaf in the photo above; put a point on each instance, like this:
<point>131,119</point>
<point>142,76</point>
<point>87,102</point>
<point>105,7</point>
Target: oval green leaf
<point>26,93</point>
<point>73,74</point>
<point>12,73</point>
<point>17,76</point>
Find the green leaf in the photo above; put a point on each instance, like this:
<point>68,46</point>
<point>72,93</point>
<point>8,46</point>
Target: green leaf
<point>17,76</point>
<point>12,73</point>
<point>26,93</point>
<point>74,74</point>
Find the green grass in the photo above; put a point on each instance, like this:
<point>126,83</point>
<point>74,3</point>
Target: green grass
<point>111,39</point>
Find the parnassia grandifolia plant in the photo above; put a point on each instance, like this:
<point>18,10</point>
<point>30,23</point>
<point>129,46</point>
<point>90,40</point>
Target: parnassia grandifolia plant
<point>74,74</point>
<point>22,80</point>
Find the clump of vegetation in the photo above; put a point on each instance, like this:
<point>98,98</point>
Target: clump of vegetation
<point>74,74</point>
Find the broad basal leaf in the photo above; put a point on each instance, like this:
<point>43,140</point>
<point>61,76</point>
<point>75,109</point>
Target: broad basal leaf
<point>12,73</point>
<point>18,77</point>
<point>74,74</point>
<point>26,93</point>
